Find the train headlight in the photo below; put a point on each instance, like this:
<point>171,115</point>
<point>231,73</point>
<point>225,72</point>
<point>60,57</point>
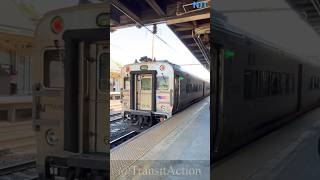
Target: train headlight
<point>127,69</point>
<point>51,137</point>
<point>102,20</point>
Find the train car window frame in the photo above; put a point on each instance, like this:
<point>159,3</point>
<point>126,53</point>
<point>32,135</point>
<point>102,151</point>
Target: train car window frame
<point>287,83</point>
<point>293,84</point>
<point>105,74</point>
<point>148,84</point>
<point>248,79</point>
<point>125,85</point>
<point>45,71</point>
<point>163,79</point>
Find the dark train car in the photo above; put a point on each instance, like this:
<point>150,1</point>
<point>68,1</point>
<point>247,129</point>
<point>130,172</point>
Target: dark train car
<point>153,91</point>
<point>256,87</point>
<point>310,89</point>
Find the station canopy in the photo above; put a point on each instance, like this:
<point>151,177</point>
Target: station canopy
<point>309,10</point>
<point>191,25</point>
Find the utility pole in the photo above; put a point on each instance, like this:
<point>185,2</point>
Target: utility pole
<point>154,31</point>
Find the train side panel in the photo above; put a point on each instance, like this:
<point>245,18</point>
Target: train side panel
<point>258,89</point>
<point>191,90</point>
<point>48,88</point>
<point>310,90</point>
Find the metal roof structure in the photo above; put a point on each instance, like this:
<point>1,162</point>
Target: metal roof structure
<point>191,25</point>
<point>12,21</point>
<point>309,10</point>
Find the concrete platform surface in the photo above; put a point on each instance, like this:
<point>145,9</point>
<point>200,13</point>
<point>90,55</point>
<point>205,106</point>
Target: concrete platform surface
<point>183,154</point>
<point>289,152</point>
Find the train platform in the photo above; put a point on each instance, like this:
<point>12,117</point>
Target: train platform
<point>178,148</point>
<point>15,108</point>
<point>289,152</point>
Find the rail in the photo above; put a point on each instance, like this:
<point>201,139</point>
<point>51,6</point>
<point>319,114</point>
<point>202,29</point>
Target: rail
<point>18,167</point>
<point>115,117</point>
<point>122,139</point>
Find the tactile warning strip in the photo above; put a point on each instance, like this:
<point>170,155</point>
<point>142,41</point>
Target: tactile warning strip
<point>123,156</point>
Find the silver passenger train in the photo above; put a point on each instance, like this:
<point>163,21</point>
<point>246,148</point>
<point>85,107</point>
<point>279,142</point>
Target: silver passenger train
<point>70,92</point>
<point>152,91</point>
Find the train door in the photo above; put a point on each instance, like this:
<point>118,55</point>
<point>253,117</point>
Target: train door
<point>299,85</point>
<point>176,92</point>
<point>144,92</point>
<point>94,96</point>
<point>217,98</point>
<point>203,88</point>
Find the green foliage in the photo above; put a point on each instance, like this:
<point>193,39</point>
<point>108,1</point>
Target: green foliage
<point>29,10</point>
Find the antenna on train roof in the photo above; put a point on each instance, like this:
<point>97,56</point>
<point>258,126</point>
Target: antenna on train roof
<point>145,59</point>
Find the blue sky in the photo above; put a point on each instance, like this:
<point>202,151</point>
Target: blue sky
<point>132,43</point>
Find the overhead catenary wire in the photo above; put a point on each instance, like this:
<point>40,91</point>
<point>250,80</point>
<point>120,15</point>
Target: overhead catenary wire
<point>142,25</point>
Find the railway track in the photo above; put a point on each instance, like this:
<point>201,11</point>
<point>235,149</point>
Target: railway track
<point>122,139</point>
<point>115,117</point>
<point>18,171</point>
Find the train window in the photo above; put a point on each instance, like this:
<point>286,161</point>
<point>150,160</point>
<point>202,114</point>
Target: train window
<point>264,84</point>
<point>287,83</point>
<point>126,83</point>
<point>248,84</point>
<point>274,83</point>
<point>145,84</point>
<point>312,82</point>
<point>292,83</point>
<point>162,83</point>
<point>53,69</point>
<point>103,60</point>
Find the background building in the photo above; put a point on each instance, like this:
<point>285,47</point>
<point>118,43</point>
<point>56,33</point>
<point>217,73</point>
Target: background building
<point>115,69</point>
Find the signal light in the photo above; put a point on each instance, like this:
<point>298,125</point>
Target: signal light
<point>162,67</point>
<point>56,24</point>
<point>228,54</point>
